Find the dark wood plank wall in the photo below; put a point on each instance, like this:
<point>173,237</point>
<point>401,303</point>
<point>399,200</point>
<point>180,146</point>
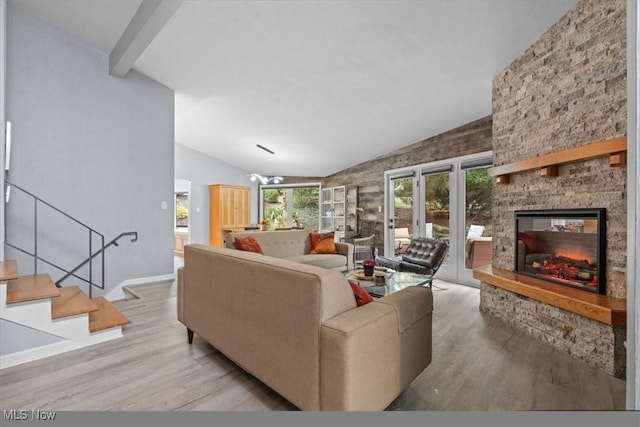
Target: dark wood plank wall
<point>470,138</point>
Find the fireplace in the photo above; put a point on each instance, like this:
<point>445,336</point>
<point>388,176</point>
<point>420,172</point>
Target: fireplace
<point>563,246</point>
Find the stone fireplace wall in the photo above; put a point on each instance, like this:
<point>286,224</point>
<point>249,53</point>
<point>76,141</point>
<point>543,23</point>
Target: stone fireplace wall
<point>567,90</point>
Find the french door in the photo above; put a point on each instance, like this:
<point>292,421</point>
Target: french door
<point>440,200</point>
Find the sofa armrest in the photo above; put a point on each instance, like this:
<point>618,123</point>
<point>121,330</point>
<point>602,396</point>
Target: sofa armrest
<point>346,249</point>
<point>365,361</point>
<point>410,305</point>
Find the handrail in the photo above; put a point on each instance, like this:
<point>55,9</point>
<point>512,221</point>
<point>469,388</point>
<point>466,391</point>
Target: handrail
<point>46,261</point>
<point>113,242</point>
<point>7,182</point>
<point>91,231</point>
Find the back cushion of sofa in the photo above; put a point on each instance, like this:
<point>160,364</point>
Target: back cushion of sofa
<point>279,244</point>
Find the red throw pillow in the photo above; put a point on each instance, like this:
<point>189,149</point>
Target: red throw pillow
<point>362,297</point>
<point>313,238</point>
<point>248,243</point>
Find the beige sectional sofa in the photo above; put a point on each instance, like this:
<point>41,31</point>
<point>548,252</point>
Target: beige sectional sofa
<point>297,328</point>
<point>295,245</point>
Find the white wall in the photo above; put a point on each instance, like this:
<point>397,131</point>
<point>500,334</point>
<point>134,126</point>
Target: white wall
<point>96,146</point>
<point>202,171</point>
<point>3,91</point>
<point>15,338</point>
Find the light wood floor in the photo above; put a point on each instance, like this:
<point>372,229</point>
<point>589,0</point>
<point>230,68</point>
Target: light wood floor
<point>478,364</point>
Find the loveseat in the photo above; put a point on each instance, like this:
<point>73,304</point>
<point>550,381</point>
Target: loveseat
<point>298,329</point>
<point>295,245</point>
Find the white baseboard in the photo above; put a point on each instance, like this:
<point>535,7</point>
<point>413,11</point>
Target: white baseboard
<point>117,293</point>
<point>31,354</point>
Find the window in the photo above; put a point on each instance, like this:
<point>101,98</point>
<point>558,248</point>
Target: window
<point>182,210</point>
<point>291,205</point>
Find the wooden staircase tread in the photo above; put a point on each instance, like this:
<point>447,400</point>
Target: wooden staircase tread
<point>8,269</point>
<point>72,301</point>
<point>106,317</point>
<point>32,287</point>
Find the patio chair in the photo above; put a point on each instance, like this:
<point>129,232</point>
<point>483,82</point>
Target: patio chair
<point>401,239</point>
<point>363,241</point>
<point>424,256</point>
<point>475,231</point>
<point>477,248</point>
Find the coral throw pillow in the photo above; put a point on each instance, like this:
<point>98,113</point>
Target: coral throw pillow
<point>324,245</point>
<point>362,297</point>
<point>249,244</point>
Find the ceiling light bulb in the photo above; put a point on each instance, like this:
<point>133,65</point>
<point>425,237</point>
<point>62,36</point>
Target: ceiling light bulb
<point>264,180</point>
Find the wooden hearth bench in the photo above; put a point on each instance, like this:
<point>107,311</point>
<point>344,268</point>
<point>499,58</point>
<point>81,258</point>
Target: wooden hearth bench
<point>608,310</point>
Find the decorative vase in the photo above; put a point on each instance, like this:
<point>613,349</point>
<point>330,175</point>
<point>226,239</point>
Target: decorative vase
<point>263,227</point>
<point>368,266</point>
<point>368,270</point>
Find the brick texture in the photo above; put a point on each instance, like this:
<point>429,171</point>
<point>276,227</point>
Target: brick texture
<point>595,343</point>
<point>568,89</point>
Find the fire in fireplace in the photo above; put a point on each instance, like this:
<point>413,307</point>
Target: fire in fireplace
<point>565,246</point>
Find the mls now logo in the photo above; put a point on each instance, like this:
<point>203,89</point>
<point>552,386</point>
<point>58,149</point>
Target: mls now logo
<point>15,414</point>
<point>22,414</point>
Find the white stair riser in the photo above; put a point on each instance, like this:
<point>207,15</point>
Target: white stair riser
<point>37,315</point>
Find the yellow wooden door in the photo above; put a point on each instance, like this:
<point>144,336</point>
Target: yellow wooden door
<point>243,207</point>
<point>227,207</point>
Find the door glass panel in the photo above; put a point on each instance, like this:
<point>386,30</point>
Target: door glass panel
<point>326,218</point>
<point>478,202</point>
<point>402,214</point>
<point>436,207</point>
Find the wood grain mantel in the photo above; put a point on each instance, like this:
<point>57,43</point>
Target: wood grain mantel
<point>615,148</point>
<point>611,311</point>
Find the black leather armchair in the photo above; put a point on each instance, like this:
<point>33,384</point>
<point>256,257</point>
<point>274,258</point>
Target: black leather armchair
<point>424,255</point>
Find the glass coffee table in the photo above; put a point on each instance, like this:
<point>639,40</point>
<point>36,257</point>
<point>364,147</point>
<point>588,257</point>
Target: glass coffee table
<point>393,280</point>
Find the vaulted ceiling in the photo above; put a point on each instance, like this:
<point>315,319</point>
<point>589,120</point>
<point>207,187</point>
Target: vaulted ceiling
<point>323,84</point>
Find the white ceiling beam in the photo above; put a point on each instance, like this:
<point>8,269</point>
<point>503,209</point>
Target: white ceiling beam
<point>151,16</point>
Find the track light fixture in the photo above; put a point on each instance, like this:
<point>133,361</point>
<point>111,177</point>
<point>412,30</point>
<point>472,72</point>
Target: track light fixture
<point>264,180</point>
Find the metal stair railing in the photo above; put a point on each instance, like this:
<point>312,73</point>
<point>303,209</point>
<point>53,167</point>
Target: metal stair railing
<point>100,251</point>
<point>92,232</point>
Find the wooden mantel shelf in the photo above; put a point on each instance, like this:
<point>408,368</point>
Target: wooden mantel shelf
<point>615,148</point>
<point>611,311</point>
